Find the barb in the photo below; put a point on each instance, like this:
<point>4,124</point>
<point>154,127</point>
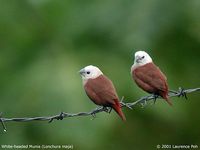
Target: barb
<point>142,101</point>
<point>180,93</point>
<point>3,125</point>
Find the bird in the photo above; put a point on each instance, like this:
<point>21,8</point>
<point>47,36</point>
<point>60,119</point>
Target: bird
<point>149,77</point>
<point>100,89</point>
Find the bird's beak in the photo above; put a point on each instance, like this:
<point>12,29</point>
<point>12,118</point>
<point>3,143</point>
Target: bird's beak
<point>137,59</point>
<point>82,71</point>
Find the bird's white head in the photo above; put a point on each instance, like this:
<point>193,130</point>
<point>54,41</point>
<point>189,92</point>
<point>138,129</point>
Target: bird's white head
<point>142,58</point>
<point>90,72</point>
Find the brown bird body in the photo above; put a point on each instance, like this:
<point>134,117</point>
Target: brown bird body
<point>101,90</point>
<point>149,77</point>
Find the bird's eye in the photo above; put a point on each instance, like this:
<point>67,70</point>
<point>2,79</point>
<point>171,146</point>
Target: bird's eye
<point>88,72</point>
<point>143,57</point>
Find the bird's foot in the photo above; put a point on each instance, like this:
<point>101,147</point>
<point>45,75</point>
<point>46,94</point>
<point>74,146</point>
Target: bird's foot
<point>108,109</point>
<point>182,93</point>
<point>155,96</point>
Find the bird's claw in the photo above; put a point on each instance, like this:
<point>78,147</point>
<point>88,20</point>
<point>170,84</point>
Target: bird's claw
<point>155,96</point>
<point>108,109</point>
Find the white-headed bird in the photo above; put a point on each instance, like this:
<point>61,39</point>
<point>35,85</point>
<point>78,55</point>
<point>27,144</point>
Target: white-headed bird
<point>100,89</point>
<point>148,76</point>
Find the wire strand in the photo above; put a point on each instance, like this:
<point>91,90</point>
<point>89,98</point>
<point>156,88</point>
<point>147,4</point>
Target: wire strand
<point>142,101</point>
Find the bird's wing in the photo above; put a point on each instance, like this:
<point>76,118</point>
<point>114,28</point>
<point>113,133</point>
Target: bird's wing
<point>150,76</point>
<point>101,90</point>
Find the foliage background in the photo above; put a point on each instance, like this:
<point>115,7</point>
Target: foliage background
<point>43,43</point>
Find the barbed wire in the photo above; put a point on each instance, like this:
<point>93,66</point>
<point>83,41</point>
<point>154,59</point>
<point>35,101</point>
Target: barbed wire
<point>142,101</point>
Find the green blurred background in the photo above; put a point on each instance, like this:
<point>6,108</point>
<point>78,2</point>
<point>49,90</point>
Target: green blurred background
<point>44,43</point>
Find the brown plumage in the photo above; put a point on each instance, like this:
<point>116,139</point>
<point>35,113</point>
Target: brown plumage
<point>150,78</point>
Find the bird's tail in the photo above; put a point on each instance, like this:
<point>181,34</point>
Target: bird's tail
<point>118,110</point>
<point>167,100</point>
